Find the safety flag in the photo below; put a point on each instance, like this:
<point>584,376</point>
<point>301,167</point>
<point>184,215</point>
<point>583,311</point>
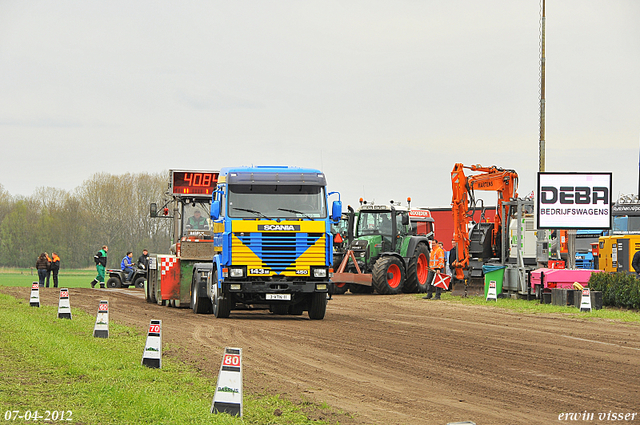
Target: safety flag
<point>442,281</point>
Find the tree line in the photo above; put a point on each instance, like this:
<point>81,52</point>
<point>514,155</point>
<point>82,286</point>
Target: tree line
<point>106,209</point>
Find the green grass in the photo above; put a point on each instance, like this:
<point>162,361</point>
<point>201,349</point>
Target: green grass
<point>56,364</point>
<point>67,278</point>
<point>534,307</point>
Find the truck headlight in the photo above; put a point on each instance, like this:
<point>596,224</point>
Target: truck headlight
<point>320,272</point>
<point>235,287</point>
<point>321,286</point>
<point>236,272</point>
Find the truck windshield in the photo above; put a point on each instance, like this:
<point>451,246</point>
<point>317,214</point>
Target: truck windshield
<point>276,201</point>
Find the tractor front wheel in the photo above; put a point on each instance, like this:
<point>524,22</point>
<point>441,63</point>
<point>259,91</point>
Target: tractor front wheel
<point>388,275</point>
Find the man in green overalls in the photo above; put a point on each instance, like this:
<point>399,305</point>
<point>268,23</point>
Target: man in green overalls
<point>101,264</point>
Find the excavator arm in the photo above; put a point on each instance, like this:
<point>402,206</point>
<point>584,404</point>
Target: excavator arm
<point>504,182</point>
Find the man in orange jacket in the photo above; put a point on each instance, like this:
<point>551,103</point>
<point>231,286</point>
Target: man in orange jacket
<point>436,265</point>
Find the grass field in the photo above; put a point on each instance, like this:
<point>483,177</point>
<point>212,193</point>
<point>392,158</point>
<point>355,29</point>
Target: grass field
<point>534,307</point>
<point>56,365</point>
<point>67,278</point>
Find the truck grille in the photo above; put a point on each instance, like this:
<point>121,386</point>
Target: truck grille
<point>279,250</point>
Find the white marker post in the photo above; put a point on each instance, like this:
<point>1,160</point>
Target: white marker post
<point>64,309</point>
<point>101,329</point>
<point>492,293</point>
<point>228,396</point>
<point>585,303</point>
<point>152,355</point>
<point>34,301</point>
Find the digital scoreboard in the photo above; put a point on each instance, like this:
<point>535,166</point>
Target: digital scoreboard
<point>185,182</point>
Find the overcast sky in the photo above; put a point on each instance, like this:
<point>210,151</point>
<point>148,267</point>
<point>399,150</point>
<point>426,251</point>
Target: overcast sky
<point>383,96</point>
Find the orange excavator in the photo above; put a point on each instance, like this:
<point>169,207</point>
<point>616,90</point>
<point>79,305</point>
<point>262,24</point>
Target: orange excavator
<point>485,239</point>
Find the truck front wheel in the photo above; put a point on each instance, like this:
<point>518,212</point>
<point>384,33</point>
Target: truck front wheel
<point>318,306</point>
<point>221,304</point>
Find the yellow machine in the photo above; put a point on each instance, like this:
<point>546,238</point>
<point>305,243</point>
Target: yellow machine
<point>615,252</point>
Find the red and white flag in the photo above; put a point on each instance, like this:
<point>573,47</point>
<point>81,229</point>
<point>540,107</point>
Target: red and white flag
<point>442,281</point>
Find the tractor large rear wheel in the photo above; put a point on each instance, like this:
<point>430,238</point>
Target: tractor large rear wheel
<point>388,275</point>
<point>418,271</point>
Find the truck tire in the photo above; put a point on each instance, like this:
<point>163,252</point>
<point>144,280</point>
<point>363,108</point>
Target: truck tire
<point>339,288</point>
<point>199,305</point>
<point>114,282</point>
<point>139,283</point>
<point>318,306</point>
<point>221,304</point>
<point>151,292</point>
<point>417,271</point>
<point>388,275</point>
<point>280,309</point>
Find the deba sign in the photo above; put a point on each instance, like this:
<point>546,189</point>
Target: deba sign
<point>574,201</point>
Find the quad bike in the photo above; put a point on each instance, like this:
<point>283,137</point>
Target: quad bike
<point>117,278</point>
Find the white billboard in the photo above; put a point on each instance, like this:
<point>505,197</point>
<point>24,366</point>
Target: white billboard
<point>574,201</point>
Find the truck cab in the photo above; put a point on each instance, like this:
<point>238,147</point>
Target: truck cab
<point>272,241</point>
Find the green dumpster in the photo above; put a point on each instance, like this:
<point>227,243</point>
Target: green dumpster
<point>493,272</point>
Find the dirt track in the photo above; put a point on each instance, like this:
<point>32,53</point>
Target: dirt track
<point>404,360</point>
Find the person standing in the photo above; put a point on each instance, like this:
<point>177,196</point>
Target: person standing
<point>143,260</point>
<point>55,267</point>
<point>42,264</point>
<point>436,266</point>
<point>101,264</point>
<point>48,270</point>
<point>453,258</point>
<point>126,265</point>
<point>635,263</point>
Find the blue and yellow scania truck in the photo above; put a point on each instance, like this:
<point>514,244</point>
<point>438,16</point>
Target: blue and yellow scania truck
<point>272,242</point>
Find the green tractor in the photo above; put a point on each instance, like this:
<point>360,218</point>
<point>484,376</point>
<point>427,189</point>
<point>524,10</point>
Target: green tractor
<point>385,254</point>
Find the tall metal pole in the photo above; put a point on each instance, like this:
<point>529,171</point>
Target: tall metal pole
<point>542,254</point>
<point>542,91</point>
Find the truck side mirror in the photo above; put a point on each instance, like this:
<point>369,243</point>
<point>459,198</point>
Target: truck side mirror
<point>215,210</point>
<point>153,209</point>
<point>405,219</point>
<point>336,211</point>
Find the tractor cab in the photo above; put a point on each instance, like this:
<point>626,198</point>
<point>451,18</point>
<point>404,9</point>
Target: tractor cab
<point>196,220</point>
<point>380,228</point>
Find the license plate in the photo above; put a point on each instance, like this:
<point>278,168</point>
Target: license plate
<point>283,297</point>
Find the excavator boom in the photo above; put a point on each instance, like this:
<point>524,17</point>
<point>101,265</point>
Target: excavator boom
<point>504,182</point>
